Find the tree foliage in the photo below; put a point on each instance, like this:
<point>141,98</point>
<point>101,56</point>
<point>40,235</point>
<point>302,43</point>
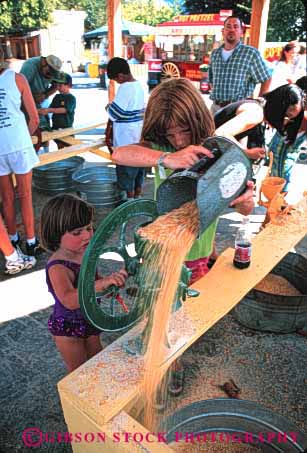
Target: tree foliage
<point>20,16</point>
<point>287,21</point>
<point>287,18</point>
<point>241,9</point>
<point>143,11</point>
<point>146,11</point>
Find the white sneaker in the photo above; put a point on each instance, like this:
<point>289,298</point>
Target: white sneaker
<point>23,262</point>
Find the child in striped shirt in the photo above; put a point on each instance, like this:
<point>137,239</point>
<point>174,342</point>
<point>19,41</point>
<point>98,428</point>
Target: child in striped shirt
<point>126,113</point>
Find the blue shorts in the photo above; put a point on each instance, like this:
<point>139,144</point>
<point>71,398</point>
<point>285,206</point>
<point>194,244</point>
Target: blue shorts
<point>129,178</point>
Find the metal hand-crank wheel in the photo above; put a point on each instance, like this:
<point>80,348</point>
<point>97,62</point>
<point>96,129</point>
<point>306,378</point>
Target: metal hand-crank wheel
<point>88,299</point>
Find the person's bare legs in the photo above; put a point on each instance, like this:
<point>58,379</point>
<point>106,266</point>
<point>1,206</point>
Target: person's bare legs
<point>137,192</point>
<point>92,345</point>
<point>5,243</point>
<point>24,187</point>
<point>8,199</point>
<point>73,351</point>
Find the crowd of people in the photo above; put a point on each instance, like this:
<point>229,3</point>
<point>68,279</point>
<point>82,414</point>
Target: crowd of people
<point>167,135</point>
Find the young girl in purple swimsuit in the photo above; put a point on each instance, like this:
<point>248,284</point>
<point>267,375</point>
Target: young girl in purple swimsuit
<point>66,230</point>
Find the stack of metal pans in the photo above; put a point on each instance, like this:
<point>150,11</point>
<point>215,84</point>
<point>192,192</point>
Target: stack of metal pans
<point>98,185</point>
<point>56,177</point>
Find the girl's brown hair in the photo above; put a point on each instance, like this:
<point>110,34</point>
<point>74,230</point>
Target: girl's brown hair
<point>61,214</point>
<point>176,102</point>
<point>290,46</point>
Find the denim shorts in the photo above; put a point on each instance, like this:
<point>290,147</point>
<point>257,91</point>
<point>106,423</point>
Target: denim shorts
<point>129,178</point>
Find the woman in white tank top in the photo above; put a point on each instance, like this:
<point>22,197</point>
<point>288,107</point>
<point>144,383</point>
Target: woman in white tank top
<point>17,154</point>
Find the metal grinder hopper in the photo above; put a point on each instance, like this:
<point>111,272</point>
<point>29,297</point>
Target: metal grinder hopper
<point>213,182</point>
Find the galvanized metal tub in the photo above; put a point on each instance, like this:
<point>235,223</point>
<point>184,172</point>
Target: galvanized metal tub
<point>263,311</point>
<point>57,177</point>
<point>98,185</point>
<point>249,423</point>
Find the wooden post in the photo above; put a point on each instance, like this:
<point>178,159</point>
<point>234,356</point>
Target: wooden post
<point>114,36</point>
<point>259,20</point>
<point>26,48</point>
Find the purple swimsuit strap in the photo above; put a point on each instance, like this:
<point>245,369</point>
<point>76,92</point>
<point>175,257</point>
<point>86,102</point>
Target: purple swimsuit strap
<point>69,264</point>
<point>75,267</point>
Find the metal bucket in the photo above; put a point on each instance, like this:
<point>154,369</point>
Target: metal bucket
<point>243,419</point>
<point>276,313</point>
<point>56,177</point>
<point>98,185</point>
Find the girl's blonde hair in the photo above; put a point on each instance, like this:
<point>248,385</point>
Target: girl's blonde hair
<point>176,102</point>
<point>61,214</point>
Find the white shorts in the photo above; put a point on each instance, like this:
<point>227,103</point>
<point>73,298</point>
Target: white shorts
<point>19,162</point>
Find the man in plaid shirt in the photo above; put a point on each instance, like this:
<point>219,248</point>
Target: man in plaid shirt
<point>236,68</point>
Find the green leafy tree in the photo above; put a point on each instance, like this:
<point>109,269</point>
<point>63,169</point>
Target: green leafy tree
<point>287,21</point>
<point>241,9</point>
<point>20,16</point>
<point>146,11</point>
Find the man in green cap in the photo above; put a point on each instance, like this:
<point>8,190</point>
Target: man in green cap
<point>40,73</point>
